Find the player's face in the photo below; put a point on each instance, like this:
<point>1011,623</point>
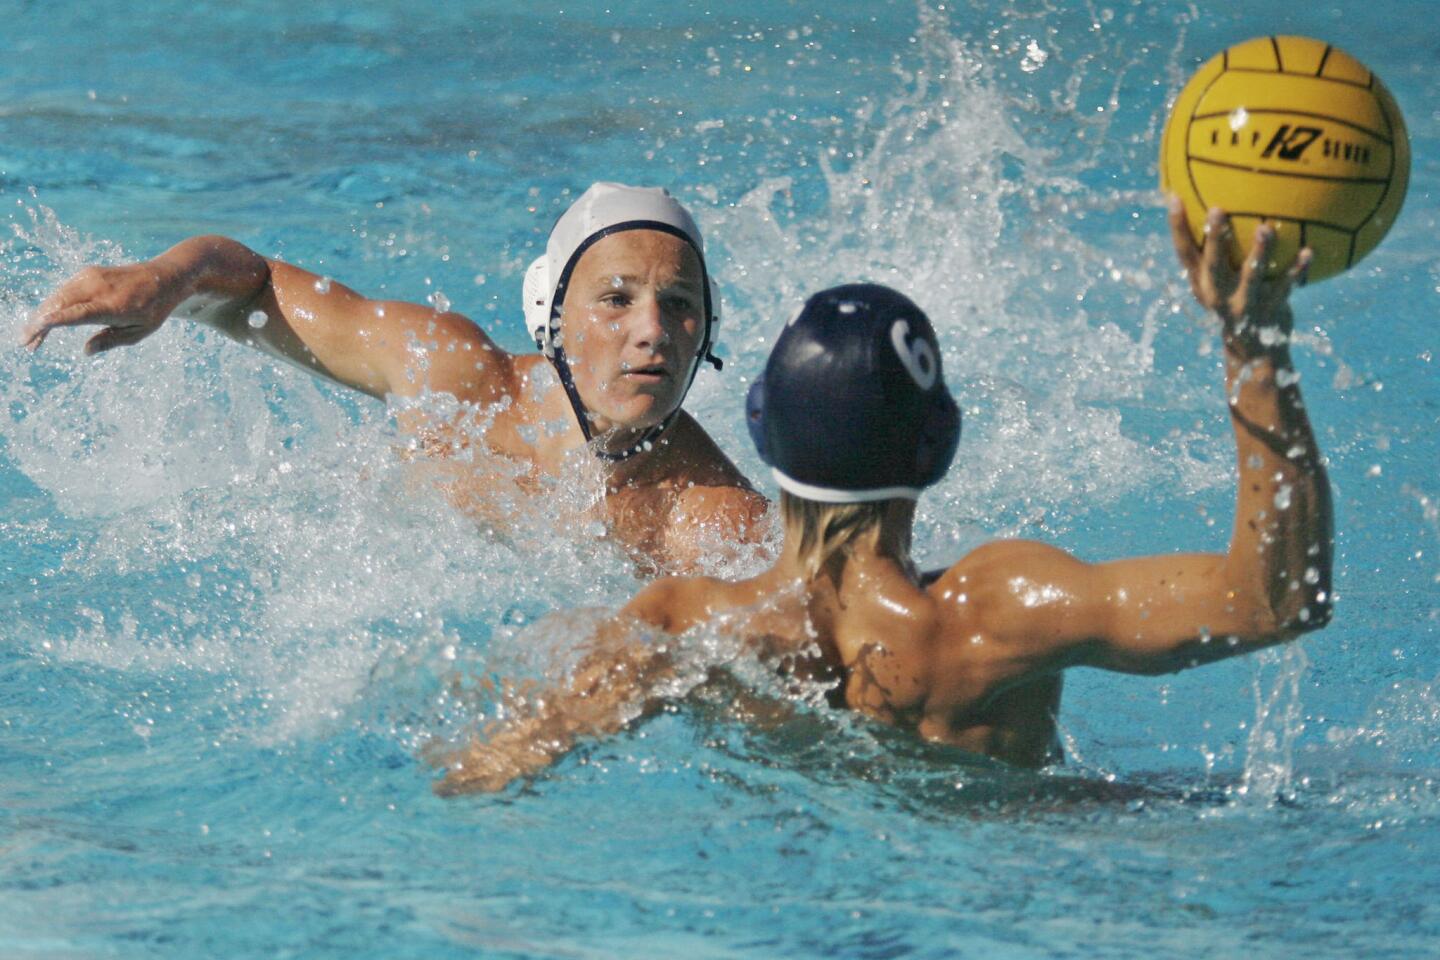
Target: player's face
<point>633,316</point>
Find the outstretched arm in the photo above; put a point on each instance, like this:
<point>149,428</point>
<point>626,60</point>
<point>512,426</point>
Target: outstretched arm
<point>620,680</point>
<point>1165,613</point>
<point>377,347</point>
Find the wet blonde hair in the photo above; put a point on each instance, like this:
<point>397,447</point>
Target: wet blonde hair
<point>822,530</point>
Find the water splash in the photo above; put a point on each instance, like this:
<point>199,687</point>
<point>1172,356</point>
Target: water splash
<point>943,192</point>
<point>1277,725</point>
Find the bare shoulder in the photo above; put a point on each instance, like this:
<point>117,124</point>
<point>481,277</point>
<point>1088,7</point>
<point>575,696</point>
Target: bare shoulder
<point>449,353</point>
<point>702,460</point>
<point>1014,584</point>
<point>1001,560</point>
<point>675,604</point>
<point>714,504</point>
<point>734,513</point>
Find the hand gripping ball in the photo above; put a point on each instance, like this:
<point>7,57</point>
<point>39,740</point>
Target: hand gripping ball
<point>1294,132</point>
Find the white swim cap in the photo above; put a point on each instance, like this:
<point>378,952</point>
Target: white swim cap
<point>604,209</point>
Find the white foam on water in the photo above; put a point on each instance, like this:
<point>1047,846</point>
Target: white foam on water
<point>264,529</point>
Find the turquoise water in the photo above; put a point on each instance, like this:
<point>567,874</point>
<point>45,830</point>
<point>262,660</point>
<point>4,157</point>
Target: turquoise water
<point>231,613</point>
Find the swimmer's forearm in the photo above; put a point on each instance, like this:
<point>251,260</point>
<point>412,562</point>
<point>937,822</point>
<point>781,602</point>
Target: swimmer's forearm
<point>213,279</point>
<point>235,291</point>
<point>309,321</point>
<point>1283,539</point>
<point>612,688</point>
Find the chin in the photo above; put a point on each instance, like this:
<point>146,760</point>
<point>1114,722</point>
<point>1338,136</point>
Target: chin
<point>641,412</point>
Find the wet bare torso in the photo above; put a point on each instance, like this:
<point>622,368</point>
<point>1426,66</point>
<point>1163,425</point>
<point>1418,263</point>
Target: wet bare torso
<point>675,507</point>
<point>905,654</point>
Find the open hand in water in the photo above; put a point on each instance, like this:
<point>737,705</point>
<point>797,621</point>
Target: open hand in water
<point>130,302</point>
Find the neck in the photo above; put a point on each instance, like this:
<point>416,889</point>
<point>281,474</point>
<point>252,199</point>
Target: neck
<point>887,543</point>
<point>616,445</point>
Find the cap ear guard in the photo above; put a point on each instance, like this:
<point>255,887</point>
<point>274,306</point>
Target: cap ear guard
<point>939,438</point>
<point>755,417</point>
<point>535,293</point>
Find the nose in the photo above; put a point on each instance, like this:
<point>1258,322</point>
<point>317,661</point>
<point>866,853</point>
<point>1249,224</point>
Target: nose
<point>648,327</point>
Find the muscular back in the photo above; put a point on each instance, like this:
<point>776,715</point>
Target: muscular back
<point>948,661</point>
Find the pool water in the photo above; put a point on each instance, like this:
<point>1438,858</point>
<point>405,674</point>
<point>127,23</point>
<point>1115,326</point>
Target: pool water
<point>233,616</point>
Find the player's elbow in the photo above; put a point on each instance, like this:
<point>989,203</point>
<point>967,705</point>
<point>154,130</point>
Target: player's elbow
<point>1314,613</point>
<point>1302,607</point>
<point>1286,618</point>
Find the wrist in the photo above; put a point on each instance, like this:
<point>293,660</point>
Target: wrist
<point>1264,367</point>
<point>214,266</point>
<point>1259,334</point>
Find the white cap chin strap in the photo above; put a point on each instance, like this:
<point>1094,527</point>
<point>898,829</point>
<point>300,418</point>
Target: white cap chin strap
<point>604,209</point>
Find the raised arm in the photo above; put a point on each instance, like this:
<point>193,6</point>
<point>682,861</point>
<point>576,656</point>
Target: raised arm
<point>1164,613</point>
<point>377,347</point>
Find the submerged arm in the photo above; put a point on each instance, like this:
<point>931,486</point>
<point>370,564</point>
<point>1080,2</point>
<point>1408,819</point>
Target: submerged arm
<point>621,680</point>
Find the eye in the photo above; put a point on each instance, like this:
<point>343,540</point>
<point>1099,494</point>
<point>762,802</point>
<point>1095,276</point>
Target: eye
<point>615,299</point>
<point>679,303</point>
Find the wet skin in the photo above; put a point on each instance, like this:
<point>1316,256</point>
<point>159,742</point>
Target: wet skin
<point>631,323</point>
<point>975,658</point>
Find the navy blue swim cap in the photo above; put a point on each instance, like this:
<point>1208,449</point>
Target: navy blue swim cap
<point>852,406</point>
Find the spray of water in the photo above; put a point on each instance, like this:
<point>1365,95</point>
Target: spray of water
<point>260,526</point>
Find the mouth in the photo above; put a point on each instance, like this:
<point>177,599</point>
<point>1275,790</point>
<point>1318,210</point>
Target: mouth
<point>645,373</point>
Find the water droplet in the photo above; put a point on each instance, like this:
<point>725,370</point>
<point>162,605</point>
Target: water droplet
<point>1374,470</point>
<point>1254,462</point>
<point>1035,57</point>
<point>1238,118</point>
<point>1312,576</point>
<point>846,308</point>
<point>257,319</point>
<point>1272,336</point>
<point>1282,497</point>
<point>322,285</point>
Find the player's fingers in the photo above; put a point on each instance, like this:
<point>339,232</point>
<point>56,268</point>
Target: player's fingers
<point>1185,248</point>
<point>1252,272</point>
<point>112,337</point>
<point>1298,274</point>
<point>1277,291</point>
<point>1215,258</point>
<point>74,315</point>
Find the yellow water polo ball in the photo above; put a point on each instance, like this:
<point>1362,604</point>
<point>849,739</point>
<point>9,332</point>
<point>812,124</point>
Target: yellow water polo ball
<point>1296,133</point>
